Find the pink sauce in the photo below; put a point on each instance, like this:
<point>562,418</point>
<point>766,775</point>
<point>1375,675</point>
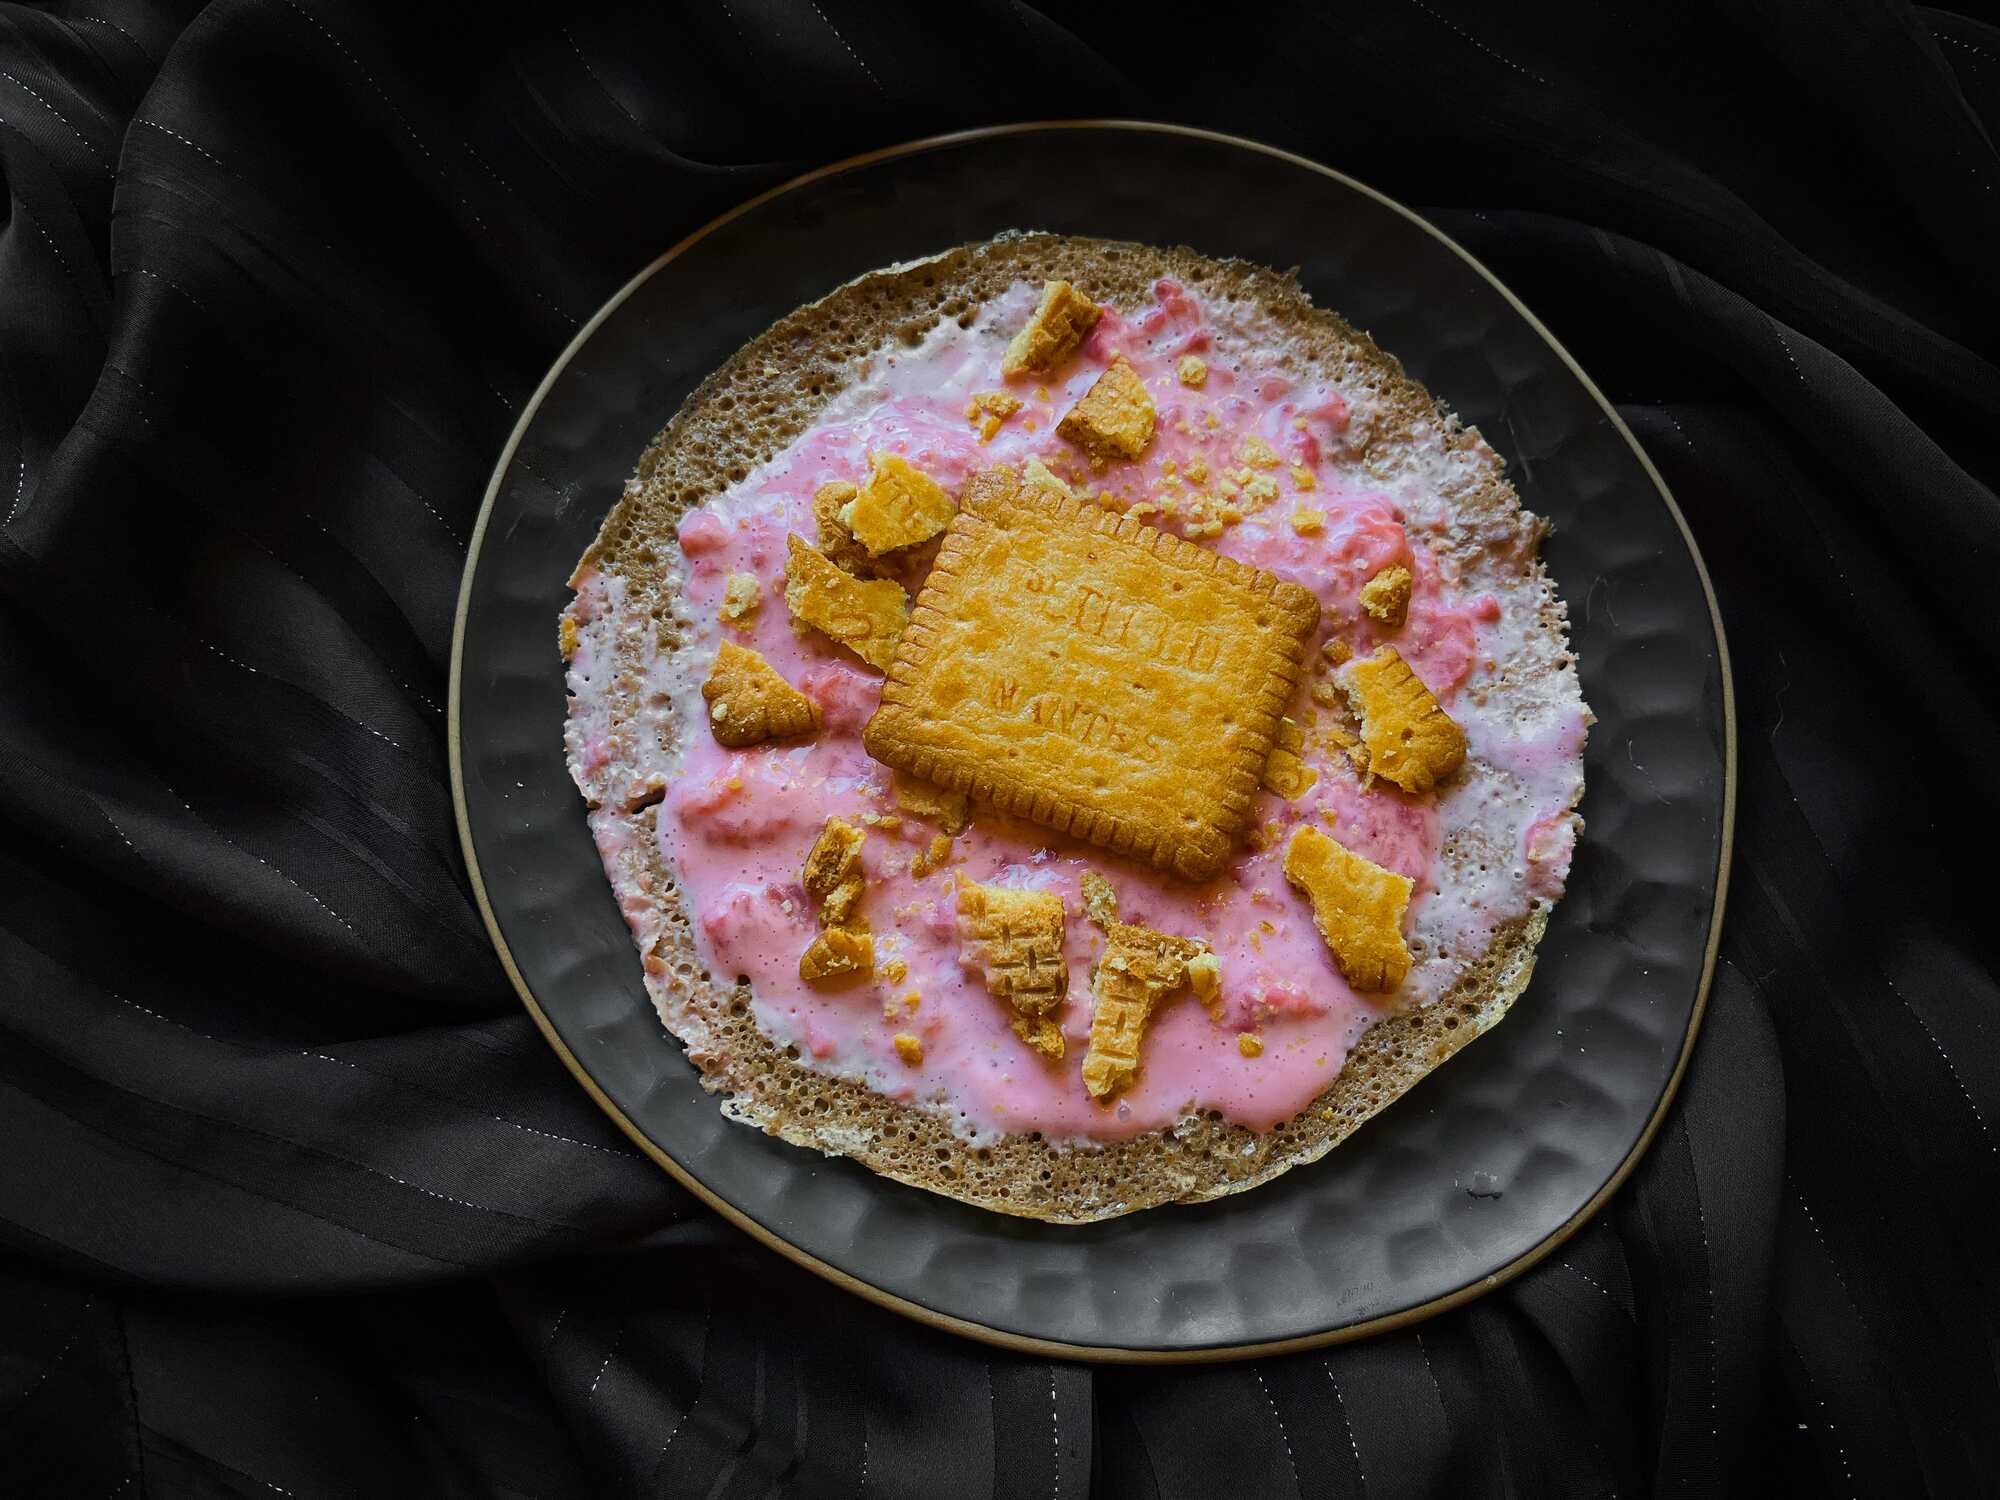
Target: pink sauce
<point>737,825</point>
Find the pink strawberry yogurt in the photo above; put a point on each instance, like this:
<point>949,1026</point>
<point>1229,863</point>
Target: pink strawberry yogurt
<point>735,826</point>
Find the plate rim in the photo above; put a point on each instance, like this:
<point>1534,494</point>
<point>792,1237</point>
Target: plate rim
<point>967,1328</point>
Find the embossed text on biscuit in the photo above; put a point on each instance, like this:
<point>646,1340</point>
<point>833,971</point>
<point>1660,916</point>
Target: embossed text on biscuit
<point>1100,677</point>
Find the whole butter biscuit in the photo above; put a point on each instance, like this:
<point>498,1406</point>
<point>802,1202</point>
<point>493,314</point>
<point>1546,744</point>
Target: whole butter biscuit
<point>1095,675</point>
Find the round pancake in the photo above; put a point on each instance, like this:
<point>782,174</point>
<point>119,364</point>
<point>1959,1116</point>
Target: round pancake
<point>757,404</point>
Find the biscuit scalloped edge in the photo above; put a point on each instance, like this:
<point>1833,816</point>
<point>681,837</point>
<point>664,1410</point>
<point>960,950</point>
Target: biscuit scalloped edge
<point>1195,856</point>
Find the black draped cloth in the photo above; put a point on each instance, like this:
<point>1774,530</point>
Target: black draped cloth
<point>292,1196</point>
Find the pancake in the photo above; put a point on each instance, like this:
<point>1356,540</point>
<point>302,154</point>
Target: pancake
<point>1321,463</point>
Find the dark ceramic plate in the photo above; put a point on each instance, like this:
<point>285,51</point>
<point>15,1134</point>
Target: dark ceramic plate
<point>1548,1112</point>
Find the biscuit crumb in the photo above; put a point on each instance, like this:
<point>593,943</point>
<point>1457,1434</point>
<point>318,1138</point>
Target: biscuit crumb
<point>1249,1044</point>
<point>998,403</point>
<point>1052,331</point>
<point>1285,772</point>
<point>1192,372</point>
<point>1308,522</point>
<point>748,702</point>
<point>1385,598</point>
<point>741,594</point>
<point>1197,470</point>
<point>895,971</point>
<point>1303,478</point>
<point>989,411</point>
<point>867,617</point>
<point>568,637</point>
<point>1336,650</point>
<point>944,806</point>
<point>836,953</point>
<point>1259,454</point>
<point>1015,939</point>
<point>1114,418</point>
<point>1410,739</point>
<point>900,506</point>
<point>1357,905</point>
<point>1100,901</point>
<point>909,1048</point>
<point>1205,977</point>
<point>1140,968</point>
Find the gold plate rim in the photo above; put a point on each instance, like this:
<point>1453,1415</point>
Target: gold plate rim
<point>1093,1353</point>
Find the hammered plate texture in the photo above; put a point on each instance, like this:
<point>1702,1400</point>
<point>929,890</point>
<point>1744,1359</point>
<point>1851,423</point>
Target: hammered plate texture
<point>1549,1107</point>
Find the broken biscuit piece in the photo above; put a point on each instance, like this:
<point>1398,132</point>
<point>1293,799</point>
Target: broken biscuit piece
<point>835,953</point>
<point>1052,331</point>
<point>1357,905</point>
<point>866,616</point>
<point>833,874</point>
<point>1285,773</point>
<point>1410,739</point>
<point>898,507</point>
<point>1114,419</point>
<point>931,858</point>
<point>1385,598</point>
<point>1139,969</point>
<point>835,540</point>
<point>748,702</point>
<point>1015,939</point>
<point>949,809</point>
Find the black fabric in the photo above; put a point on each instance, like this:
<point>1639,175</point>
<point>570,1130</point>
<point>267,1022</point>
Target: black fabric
<point>293,1198</point>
